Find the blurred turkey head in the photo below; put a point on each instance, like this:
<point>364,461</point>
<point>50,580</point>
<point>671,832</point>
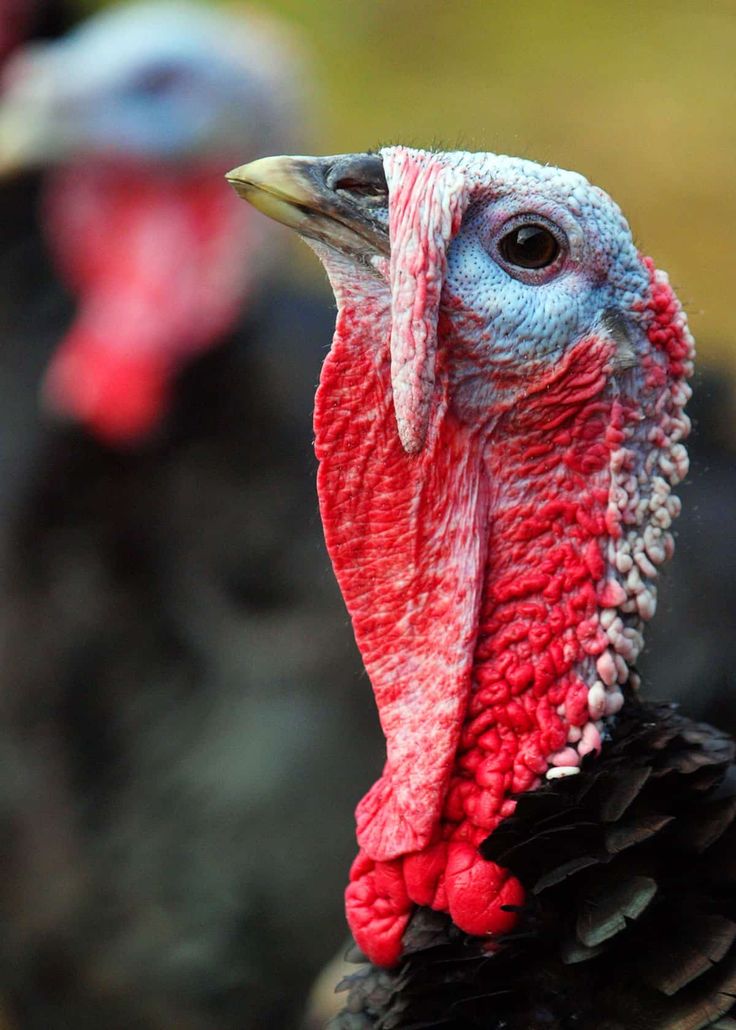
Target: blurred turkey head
<point>135,113</point>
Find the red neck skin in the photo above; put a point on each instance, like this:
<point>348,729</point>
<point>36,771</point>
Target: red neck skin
<point>160,269</point>
<point>478,576</point>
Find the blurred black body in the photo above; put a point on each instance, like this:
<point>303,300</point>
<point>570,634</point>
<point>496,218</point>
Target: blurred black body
<point>183,736</point>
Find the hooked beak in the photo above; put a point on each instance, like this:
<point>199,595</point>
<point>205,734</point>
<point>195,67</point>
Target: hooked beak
<point>341,201</point>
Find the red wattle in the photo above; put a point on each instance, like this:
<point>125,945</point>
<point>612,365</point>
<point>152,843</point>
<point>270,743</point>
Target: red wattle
<point>118,395</point>
<point>404,534</point>
<point>533,628</point>
<point>497,579</point>
<point>160,267</point>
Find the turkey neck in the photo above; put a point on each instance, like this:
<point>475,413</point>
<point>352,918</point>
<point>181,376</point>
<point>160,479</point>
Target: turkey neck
<point>499,579</point>
<point>553,645</point>
<point>580,476</point>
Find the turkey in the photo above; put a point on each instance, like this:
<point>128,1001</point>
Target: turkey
<point>172,693</point>
<point>499,425</point>
<point>131,103</point>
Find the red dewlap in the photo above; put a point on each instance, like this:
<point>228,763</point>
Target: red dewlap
<point>550,519</point>
<point>474,572</point>
<point>396,522</point>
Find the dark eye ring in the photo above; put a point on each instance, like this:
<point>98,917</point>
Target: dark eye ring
<point>531,245</point>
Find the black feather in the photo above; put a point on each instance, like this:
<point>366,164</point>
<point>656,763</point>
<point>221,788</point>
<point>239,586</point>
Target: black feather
<point>630,920</point>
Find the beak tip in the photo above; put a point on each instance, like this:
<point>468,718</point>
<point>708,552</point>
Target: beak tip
<point>256,177</point>
<point>234,175</point>
<point>239,183</point>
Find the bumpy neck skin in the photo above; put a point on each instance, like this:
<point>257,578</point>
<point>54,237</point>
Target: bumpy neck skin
<point>499,576</point>
<point>580,479</point>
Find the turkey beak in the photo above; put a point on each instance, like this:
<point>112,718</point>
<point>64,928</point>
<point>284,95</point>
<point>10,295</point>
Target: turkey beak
<point>341,201</point>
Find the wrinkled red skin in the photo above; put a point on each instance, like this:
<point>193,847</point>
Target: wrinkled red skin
<point>157,265</point>
<point>547,496</point>
<point>532,533</point>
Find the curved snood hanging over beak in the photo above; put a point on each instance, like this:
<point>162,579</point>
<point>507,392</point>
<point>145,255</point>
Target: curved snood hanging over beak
<point>427,200</point>
<point>404,511</point>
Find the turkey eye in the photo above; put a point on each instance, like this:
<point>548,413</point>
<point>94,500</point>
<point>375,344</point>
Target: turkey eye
<point>529,246</point>
<point>158,81</point>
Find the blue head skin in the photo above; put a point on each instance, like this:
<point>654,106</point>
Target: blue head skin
<point>502,317</point>
<point>161,81</point>
<point>526,316</point>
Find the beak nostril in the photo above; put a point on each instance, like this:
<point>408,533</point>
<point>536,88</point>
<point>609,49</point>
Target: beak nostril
<point>341,201</point>
<point>365,189</point>
<point>361,176</point>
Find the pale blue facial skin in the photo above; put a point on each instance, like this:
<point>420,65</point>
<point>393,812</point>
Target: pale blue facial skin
<point>495,318</point>
<point>150,81</point>
<point>512,319</point>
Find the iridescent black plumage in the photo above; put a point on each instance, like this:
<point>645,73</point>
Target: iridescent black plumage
<point>630,921</point>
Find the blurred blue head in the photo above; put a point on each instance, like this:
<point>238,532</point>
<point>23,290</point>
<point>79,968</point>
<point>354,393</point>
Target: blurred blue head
<point>154,81</point>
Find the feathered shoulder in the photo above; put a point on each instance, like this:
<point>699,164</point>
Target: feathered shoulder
<point>630,922</point>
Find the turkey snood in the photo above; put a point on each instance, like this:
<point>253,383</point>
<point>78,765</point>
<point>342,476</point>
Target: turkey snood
<point>427,203</point>
<point>497,445</point>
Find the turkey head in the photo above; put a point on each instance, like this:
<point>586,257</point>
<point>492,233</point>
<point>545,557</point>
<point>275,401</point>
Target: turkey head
<point>499,426</point>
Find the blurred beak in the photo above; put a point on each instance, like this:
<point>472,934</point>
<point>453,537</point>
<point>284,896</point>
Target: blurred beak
<point>21,140</point>
<point>31,131</point>
<point>341,201</point>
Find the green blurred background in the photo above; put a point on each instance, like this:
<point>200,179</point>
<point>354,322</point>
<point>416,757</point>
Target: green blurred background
<point>640,97</point>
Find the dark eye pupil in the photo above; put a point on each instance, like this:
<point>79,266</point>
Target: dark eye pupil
<point>530,246</point>
<point>158,80</point>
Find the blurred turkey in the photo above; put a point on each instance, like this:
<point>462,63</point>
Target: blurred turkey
<point>138,110</point>
<point>173,661</point>
<point>499,426</point>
